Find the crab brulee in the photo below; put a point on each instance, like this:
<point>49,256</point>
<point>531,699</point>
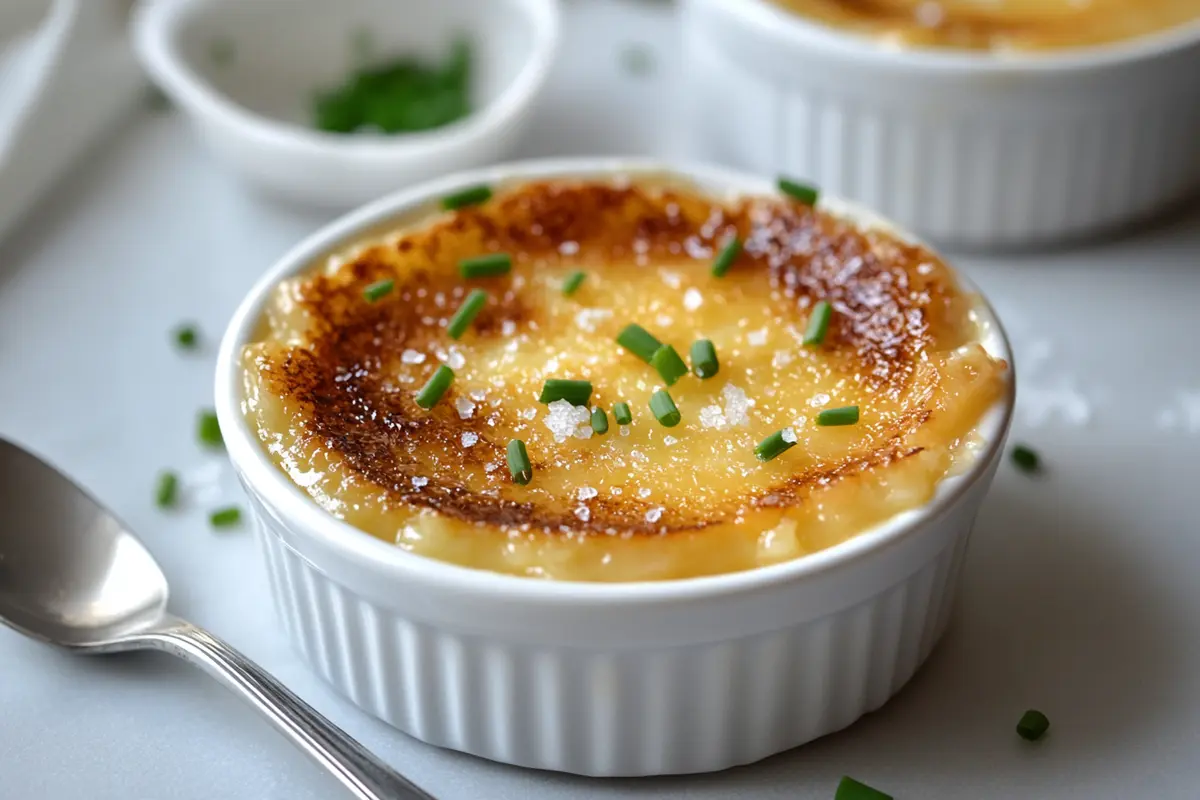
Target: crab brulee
<point>618,381</point>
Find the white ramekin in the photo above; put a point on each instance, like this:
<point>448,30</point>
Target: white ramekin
<point>968,149</point>
<point>602,679</point>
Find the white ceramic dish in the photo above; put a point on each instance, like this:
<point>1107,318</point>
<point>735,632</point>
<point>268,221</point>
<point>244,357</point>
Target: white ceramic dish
<point>969,149</point>
<point>602,679</point>
<point>251,107</point>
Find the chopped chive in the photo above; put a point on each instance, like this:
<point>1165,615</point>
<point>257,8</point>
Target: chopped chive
<point>379,290</point>
<point>571,284</point>
<point>208,430</point>
<point>466,313</point>
<point>186,336</point>
<point>775,444</point>
<point>1026,459</point>
<point>801,191</point>
<point>518,462</point>
<point>435,387</point>
<point>850,789</point>
<point>668,364</point>
<point>846,415</point>
<point>638,341</point>
<point>599,421</point>
<point>725,258</point>
<point>818,323</point>
<point>471,196</point>
<point>622,414</point>
<point>487,266</point>
<point>664,409</point>
<point>704,358</point>
<point>1033,725</point>
<point>577,393</point>
<point>166,491</point>
<point>225,517</point>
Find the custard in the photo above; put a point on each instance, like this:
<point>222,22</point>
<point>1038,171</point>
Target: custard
<point>332,378</point>
<point>1024,25</point>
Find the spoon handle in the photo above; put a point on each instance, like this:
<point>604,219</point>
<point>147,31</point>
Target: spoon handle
<point>358,770</point>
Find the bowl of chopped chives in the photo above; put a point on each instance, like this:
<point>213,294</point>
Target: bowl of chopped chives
<point>334,104</point>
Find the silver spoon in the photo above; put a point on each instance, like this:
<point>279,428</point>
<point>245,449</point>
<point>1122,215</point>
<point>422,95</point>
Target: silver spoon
<point>72,575</point>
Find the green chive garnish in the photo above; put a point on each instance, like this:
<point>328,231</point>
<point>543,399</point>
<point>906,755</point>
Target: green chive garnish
<point>225,517</point>
<point>379,290</point>
<point>638,341</point>
<point>1033,725</point>
<point>471,196</point>
<point>488,266</point>
<point>186,336</point>
<point>818,323</point>
<point>599,421</point>
<point>803,192</point>
<point>166,491</point>
<point>466,313</point>
<point>1026,459</point>
<point>622,414</point>
<point>846,415</point>
<point>572,282</point>
<point>208,430</point>
<point>518,462</point>
<point>435,387</point>
<point>704,358</point>
<point>725,258</point>
<point>668,364</point>
<point>850,789</point>
<point>775,444</point>
<point>664,409</point>
<point>577,393</point>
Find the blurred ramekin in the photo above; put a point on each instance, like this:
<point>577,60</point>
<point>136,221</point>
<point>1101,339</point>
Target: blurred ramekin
<point>602,679</point>
<point>973,149</point>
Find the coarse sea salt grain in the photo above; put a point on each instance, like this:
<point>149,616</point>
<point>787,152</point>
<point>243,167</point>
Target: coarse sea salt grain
<point>737,405</point>
<point>712,417</point>
<point>654,514</point>
<point>669,440</point>
<point>584,513</point>
<point>418,482</point>
<point>757,338</point>
<point>586,318</point>
<point>508,327</point>
<point>586,493</point>
<point>565,420</point>
<point>491,467</point>
<point>469,438</point>
<point>643,493</point>
<point>478,395</point>
<point>788,435</point>
<point>465,407</point>
<point>692,299</point>
<point>412,357</point>
<point>529,413</point>
<point>617,491</point>
<point>624,430</point>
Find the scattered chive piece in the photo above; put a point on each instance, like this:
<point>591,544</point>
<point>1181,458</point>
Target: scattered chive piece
<point>186,336</point>
<point>668,364</point>
<point>599,421</point>
<point>208,430</point>
<point>801,191</point>
<point>1026,459</point>
<point>166,491</point>
<point>775,444</point>
<point>846,415</point>
<point>572,282</point>
<point>466,313</point>
<point>638,341</point>
<point>225,517</point>
<point>664,409</point>
<point>818,323</point>
<point>622,413</point>
<point>1033,725</point>
<point>471,196</point>
<point>725,258</point>
<point>577,393</point>
<point>518,462</point>
<point>379,290</point>
<point>435,387</point>
<point>486,266</point>
<point>850,789</point>
<point>704,358</point>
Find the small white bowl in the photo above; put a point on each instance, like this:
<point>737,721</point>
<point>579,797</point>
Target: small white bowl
<point>966,148</point>
<point>602,679</point>
<point>252,106</point>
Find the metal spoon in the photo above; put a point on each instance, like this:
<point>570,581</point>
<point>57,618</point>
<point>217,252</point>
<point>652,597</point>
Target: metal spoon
<point>72,575</point>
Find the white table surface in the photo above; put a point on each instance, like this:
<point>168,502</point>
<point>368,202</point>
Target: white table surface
<point>1081,595</point>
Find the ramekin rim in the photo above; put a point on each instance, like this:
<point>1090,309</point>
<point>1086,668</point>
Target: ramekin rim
<point>306,518</point>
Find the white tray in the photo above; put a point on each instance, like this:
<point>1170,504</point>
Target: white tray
<point>1081,596</point>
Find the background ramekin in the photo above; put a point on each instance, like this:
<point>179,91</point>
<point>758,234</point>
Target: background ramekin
<point>602,679</point>
<point>966,149</point>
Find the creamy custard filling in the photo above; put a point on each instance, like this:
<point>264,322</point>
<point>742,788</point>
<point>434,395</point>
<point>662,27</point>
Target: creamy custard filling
<point>1001,24</point>
<point>330,383</point>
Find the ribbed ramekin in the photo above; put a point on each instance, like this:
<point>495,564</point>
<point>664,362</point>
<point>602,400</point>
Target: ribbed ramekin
<point>602,679</point>
<point>979,150</point>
